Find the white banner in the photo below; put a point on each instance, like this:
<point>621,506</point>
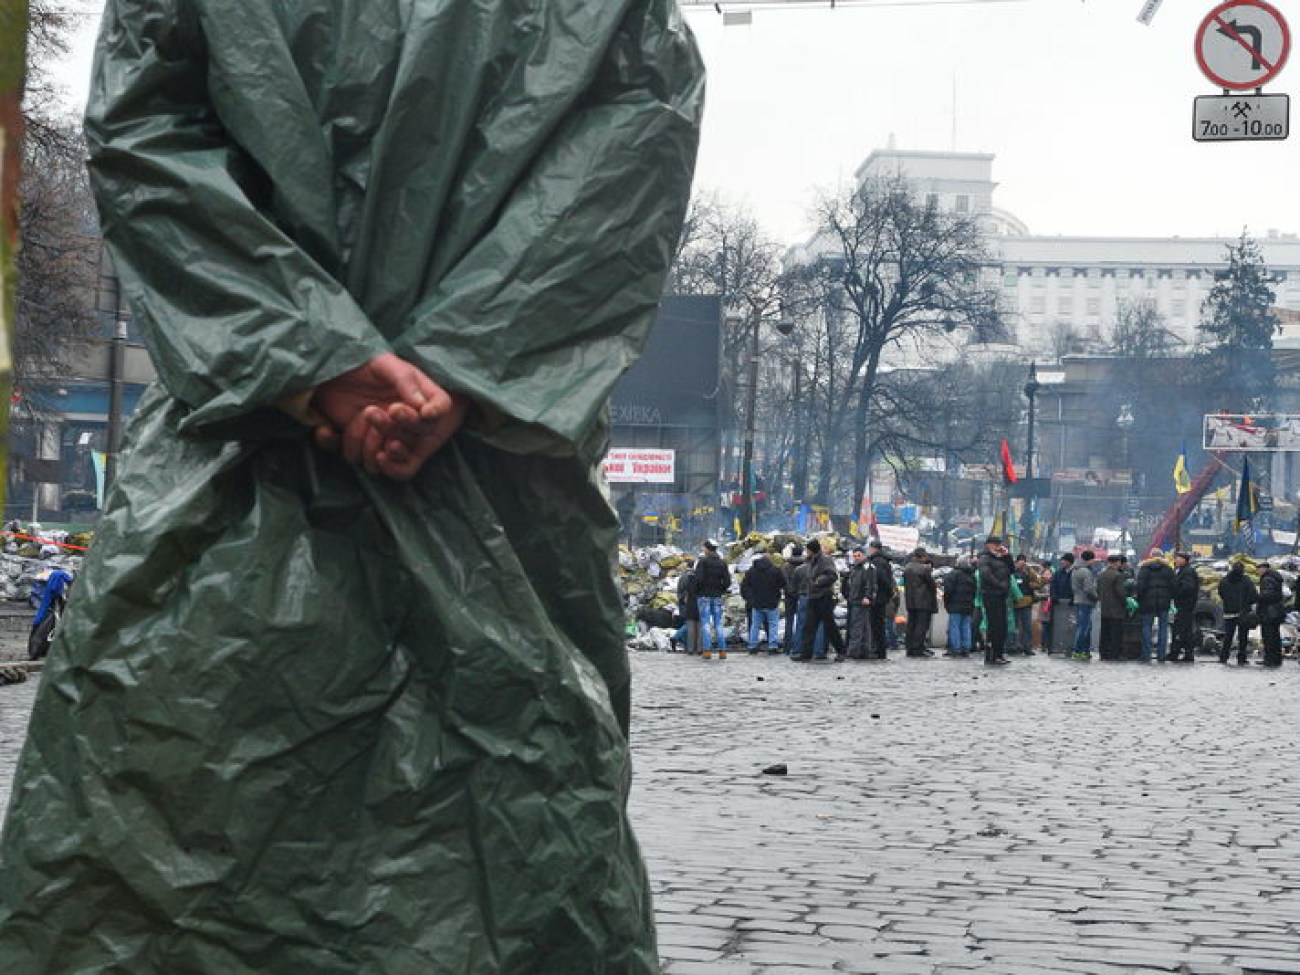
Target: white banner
<point>899,538</point>
<point>636,466</point>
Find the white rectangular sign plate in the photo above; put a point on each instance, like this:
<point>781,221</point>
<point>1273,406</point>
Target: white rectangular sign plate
<point>1241,118</point>
<point>631,466</point>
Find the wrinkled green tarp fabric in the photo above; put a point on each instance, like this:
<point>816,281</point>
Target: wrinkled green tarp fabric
<point>305,721</point>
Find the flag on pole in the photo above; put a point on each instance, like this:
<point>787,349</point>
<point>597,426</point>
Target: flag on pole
<point>999,524</point>
<point>1247,498</point>
<point>1182,479</point>
<point>1008,468</point>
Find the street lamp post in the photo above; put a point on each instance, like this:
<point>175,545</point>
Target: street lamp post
<point>747,455</point>
<point>1125,423</point>
<point>1032,386</point>
<point>1031,503</point>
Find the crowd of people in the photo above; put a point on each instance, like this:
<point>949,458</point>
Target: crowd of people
<point>997,606</point>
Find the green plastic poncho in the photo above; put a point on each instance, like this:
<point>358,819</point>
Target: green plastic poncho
<point>303,720</point>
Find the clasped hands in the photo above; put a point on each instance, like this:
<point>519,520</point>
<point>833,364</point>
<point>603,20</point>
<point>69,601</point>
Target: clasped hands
<point>386,416</point>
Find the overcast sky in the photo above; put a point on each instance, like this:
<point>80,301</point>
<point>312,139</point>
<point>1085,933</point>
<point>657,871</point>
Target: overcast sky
<point>1088,112</point>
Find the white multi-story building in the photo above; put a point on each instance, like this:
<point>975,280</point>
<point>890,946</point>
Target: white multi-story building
<point>1063,294</point>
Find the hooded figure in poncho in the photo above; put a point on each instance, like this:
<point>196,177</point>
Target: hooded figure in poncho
<point>342,688</point>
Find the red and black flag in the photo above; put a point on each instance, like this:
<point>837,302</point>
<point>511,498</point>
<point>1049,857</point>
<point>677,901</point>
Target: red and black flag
<point>1008,468</point>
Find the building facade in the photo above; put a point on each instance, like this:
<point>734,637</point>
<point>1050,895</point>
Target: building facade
<point>1062,295</point>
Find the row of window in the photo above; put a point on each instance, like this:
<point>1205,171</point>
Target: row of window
<point>1092,306</point>
<point>1095,274</point>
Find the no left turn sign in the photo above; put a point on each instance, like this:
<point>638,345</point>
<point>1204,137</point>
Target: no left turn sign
<point>1242,44</point>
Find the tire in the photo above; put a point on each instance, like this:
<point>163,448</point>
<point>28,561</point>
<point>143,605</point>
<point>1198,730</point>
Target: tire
<point>38,644</point>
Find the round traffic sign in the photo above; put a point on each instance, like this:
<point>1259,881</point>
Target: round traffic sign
<point>1242,44</point>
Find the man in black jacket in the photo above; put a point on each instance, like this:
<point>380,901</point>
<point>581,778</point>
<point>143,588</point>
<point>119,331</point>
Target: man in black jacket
<point>791,596</point>
<point>994,570</point>
<point>714,581</point>
<point>1186,589</point>
<point>821,602</point>
<point>860,594</point>
<point>1155,592</point>
<point>921,596</point>
<point>688,609</point>
<point>762,588</point>
<point>959,601</point>
<point>1238,595</point>
<point>885,590</point>
<point>1271,609</point>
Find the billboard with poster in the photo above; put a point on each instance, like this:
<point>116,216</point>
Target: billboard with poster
<point>1254,431</point>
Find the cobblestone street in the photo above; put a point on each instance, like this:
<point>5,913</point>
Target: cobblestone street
<point>937,817</point>
<point>940,818</point>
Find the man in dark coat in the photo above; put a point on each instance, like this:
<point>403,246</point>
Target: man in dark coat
<point>1061,593</point>
<point>1271,608</point>
<point>715,581</point>
<point>1083,580</point>
<point>860,594</point>
<point>762,588</point>
<point>1238,594</point>
<point>1112,599</point>
<point>791,596</point>
<point>959,590</point>
<point>1155,593</point>
<point>1185,591</point>
<point>688,609</point>
<point>822,577</point>
<point>885,591</point>
<point>994,571</point>
<point>921,598</point>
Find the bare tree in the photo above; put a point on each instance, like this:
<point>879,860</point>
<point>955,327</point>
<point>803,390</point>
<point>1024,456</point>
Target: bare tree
<point>44,112</point>
<point>57,262</point>
<point>1140,332</point>
<point>898,270</point>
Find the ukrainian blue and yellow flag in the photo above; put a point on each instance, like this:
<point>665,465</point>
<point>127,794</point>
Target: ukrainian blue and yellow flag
<point>1182,479</point>
<point>1247,497</point>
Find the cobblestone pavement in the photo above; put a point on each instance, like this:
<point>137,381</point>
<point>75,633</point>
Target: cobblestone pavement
<point>940,818</point>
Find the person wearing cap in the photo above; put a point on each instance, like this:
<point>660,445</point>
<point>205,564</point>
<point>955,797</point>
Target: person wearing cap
<point>1271,609</point>
<point>921,597</point>
<point>886,590</point>
<point>714,581</point>
<point>1186,590</point>
<point>1083,583</point>
<point>791,597</point>
<point>1061,595</point>
<point>1113,603</point>
<point>822,576</point>
<point>994,574</point>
